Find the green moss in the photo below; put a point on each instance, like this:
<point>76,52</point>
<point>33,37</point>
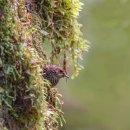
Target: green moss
<point>59,20</point>
<point>23,86</point>
<point>23,36</point>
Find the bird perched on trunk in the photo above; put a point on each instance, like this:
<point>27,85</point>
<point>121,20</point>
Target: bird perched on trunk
<point>53,74</point>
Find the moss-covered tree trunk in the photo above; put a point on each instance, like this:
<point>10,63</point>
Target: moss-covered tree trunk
<point>34,33</point>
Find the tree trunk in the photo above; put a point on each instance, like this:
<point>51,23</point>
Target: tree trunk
<point>34,33</point>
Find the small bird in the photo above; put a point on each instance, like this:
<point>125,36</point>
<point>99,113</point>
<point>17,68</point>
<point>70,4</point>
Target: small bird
<point>53,74</point>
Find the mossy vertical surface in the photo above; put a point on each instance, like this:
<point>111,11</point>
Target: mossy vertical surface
<point>22,86</point>
<point>24,34</point>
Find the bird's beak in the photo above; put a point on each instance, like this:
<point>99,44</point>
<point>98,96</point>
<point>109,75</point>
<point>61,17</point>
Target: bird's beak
<point>67,76</point>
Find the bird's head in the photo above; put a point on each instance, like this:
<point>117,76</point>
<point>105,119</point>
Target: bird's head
<point>55,70</point>
<point>61,72</point>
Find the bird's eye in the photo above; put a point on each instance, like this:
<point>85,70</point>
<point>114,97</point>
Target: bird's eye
<point>61,71</point>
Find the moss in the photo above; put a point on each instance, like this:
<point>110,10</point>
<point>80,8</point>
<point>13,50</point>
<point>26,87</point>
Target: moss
<point>23,96</point>
<point>23,38</point>
<point>59,21</point>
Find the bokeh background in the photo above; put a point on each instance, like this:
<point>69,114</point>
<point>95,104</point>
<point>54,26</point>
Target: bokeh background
<point>99,99</point>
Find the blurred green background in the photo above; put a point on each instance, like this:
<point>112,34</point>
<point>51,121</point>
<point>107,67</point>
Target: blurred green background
<point>99,99</point>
